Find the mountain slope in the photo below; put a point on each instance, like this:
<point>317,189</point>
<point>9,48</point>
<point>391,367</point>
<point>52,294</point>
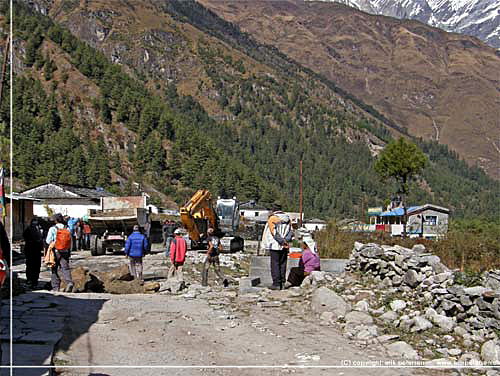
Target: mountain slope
<point>477,18</point>
<point>439,86</point>
<point>206,106</point>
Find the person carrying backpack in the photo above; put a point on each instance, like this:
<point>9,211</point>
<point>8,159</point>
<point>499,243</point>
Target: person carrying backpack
<point>214,248</point>
<point>276,239</point>
<point>60,242</point>
<point>178,248</point>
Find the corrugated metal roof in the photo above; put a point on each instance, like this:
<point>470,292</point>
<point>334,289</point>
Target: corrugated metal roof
<point>399,211</point>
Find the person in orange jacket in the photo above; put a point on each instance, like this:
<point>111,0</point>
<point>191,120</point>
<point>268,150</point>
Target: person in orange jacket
<point>178,248</point>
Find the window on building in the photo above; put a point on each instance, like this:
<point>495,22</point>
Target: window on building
<point>430,220</point>
<point>242,213</point>
<point>256,214</point>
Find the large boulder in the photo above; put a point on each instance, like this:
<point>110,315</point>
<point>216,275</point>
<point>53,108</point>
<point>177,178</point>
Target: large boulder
<point>85,281</point>
<point>324,299</point>
<point>120,273</point>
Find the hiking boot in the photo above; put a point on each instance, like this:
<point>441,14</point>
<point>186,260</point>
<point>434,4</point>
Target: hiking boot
<point>275,287</point>
<point>69,287</point>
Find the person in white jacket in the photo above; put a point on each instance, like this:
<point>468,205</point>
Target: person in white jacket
<point>276,239</point>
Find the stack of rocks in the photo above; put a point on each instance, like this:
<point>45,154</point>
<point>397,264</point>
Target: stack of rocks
<point>470,312</point>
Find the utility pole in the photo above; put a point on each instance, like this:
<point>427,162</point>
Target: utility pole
<point>300,222</point>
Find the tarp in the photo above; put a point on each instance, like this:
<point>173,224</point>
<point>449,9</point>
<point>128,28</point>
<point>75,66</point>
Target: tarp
<point>399,212</point>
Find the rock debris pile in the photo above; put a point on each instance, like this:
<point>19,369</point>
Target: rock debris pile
<point>390,292</point>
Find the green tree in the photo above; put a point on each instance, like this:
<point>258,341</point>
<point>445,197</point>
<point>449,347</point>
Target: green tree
<point>402,161</point>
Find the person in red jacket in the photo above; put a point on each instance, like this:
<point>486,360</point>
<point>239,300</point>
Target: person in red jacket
<point>177,255</point>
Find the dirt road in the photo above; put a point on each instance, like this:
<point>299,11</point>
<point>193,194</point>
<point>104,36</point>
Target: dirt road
<point>215,329</point>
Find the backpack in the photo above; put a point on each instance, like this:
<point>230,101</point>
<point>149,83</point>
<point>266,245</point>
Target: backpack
<point>63,239</point>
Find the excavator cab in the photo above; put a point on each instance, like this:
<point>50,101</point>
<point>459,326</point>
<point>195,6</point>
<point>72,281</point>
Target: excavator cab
<point>228,211</point>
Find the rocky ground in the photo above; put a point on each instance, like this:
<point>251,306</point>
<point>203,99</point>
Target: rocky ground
<point>331,320</point>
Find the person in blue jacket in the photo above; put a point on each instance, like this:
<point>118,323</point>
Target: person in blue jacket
<point>135,249</point>
<point>71,226</point>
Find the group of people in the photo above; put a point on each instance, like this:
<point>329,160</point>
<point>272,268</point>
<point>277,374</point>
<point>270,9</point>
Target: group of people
<point>69,234</point>
<point>277,238</point>
<point>175,248</point>
<point>37,242</point>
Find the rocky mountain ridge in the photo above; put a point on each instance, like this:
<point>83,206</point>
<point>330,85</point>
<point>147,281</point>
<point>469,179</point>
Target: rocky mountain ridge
<point>478,18</point>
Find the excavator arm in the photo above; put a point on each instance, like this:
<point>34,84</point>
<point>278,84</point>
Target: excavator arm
<point>197,214</point>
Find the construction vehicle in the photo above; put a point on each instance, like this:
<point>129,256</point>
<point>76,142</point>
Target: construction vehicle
<point>198,214</point>
<point>116,219</point>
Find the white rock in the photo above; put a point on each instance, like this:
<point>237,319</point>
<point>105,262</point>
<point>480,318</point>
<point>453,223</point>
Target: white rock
<point>326,318</point>
<point>317,276</point>
<point>357,317</point>
<point>362,306</point>
<point>454,352</point>
<point>323,299</point>
<point>420,324</point>
<point>398,305</point>
<point>389,316</point>
<point>402,350</point>
<point>490,352</point>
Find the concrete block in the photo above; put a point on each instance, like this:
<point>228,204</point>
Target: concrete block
<point>246,282</point>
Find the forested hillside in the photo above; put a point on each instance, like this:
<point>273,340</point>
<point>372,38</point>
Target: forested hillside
<point>235,118</point>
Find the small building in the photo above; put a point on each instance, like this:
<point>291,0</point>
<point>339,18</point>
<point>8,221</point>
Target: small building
<point>427,221</point>
<point>22,213</point>
<point>255,214</point>
<point>294,217</point>
<point>314,224</point>
<point>66,199</point>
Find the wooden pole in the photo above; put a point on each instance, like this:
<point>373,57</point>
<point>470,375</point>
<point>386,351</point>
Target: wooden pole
<point>300,222</point>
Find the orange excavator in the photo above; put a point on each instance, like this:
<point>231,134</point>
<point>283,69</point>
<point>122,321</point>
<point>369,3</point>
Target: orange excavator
<point>198,214</point>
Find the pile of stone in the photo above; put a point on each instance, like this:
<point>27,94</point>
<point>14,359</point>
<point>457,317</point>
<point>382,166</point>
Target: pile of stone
<point>433,300</point>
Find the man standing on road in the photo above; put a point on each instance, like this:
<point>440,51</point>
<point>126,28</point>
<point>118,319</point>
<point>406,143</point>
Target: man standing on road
<point>177,255</point>
<point>168,235</point>
<point>59,239</point>
<point>136,247</point>
<point>214,247</point>
<point>33,246</point>
<point>71,226</point>
<point>276,238</point>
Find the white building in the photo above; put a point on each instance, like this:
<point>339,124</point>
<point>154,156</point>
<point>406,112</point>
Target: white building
<point>314,224</point>
<point>66,199</point>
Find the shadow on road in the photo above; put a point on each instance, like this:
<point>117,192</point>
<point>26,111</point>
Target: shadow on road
<point>39,324</point>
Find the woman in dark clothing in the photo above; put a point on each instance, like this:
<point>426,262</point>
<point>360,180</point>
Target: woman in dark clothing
<point>33,252</point>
